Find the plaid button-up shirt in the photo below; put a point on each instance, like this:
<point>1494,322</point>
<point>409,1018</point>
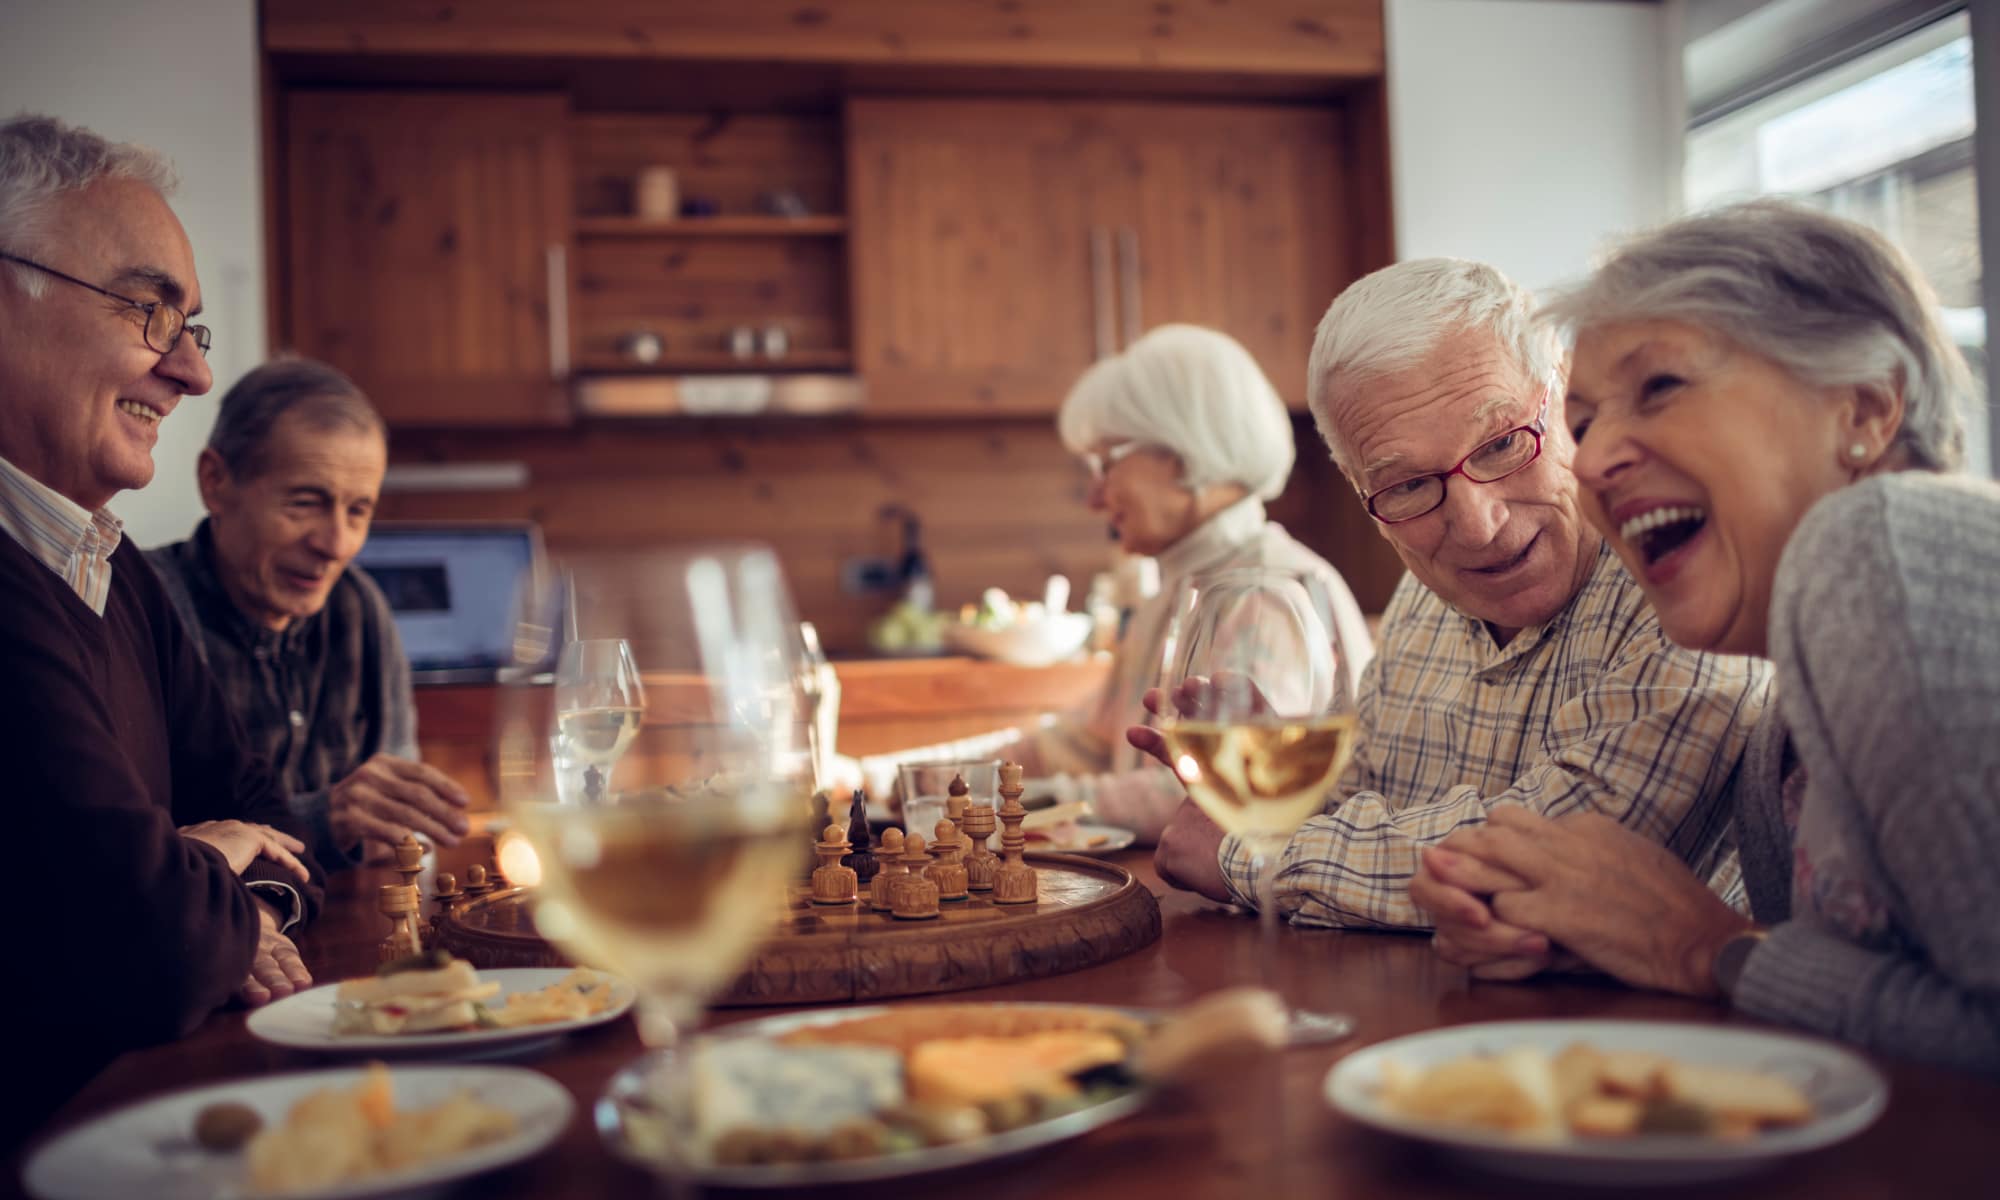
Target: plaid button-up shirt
<point>1594,709</point>
<point>316,699</point>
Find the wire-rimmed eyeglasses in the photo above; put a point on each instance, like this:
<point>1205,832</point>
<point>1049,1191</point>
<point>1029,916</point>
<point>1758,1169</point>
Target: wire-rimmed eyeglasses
<point>1490,462</point>
<point>164,322</point>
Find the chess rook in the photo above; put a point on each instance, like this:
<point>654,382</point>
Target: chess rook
<point>409,859</point>
<point>980,861</point>
<point>1014,882</point>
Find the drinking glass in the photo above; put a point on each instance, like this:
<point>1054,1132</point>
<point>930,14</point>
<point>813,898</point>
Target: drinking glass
<point>927,789</point>
<point>600,705</point>
<point>672,867</point>
<point>1259,720</point>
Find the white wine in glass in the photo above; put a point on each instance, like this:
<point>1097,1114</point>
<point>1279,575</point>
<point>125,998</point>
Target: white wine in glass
<point>600,704</point>
<point>1258,717</point>
<point>671,869</point>
<point>1260,779</point>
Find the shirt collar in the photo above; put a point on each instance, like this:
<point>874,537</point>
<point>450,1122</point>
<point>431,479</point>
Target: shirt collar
<point>53,527</point>
<point>1493,655</point>
<point>1214,540</point>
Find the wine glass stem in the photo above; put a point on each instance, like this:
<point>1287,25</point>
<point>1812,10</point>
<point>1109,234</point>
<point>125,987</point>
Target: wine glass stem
<point>1264,865</point>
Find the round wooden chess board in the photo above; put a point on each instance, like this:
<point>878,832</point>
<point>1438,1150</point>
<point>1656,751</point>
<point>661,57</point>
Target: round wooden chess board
<point>1087,912</point>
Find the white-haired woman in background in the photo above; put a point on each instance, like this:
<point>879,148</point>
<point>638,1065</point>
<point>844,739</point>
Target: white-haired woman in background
<point>1185,440</point>
<point>1766,408</point>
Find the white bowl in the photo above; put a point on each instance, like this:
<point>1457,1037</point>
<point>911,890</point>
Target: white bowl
<point>1024,644</point>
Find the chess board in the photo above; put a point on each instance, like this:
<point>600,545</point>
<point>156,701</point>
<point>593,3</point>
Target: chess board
<point>1087,912</point>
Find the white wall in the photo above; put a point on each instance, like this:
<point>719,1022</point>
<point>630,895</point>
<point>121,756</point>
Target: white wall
<point>180,77</point>
<point>1527,133</point>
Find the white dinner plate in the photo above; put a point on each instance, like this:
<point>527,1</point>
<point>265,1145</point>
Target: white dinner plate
<point>147,1149</point>
<point>646,1119</point>
<point>1115,839</point>
<point>305,1021</point>
<point>1847,1095</point>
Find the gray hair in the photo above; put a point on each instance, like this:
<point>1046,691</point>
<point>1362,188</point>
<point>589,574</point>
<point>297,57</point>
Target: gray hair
<point>1195,392</point>
<point>1395,317</point>
<point>1828,300</point>
<point>319,394</point>
<point>41,158</point>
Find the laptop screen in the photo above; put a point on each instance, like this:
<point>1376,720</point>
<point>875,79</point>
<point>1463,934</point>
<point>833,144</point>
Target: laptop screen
<point>452,589</point>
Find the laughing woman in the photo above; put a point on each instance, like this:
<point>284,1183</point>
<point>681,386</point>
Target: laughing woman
<point>1765,408</point>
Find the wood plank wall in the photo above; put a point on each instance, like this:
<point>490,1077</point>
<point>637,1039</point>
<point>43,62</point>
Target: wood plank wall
<point>1002,502</point>
<point>1311,37</point>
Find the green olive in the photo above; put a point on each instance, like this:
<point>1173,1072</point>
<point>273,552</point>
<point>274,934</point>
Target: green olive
<point>226,1126</point>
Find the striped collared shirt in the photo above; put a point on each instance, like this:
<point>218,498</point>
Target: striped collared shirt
<point>1593,710</point>
<point>63,536</point>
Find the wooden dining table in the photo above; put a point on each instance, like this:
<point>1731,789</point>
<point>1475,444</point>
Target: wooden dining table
<point>1257,1127</point>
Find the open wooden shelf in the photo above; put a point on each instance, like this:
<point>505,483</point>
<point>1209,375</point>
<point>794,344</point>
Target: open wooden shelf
<point>746,226</point>
<point>720,363</point>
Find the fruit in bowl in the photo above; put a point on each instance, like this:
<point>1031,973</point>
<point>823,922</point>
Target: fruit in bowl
<point>1026,635</point>
<point>908,629</point>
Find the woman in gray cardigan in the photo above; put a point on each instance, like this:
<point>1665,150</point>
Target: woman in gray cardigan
<point>1765,405</point>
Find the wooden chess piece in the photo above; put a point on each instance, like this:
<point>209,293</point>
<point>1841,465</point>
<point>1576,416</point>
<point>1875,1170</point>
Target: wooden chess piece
<point>400,902</point>
<point>947,872</point>
<point>831,882</point>
<point>980,861</point>
<point>1014,882</point>
<point>444,889</point>
<point>862,858</point>
<point>409,859</point>
<point>913,897</point>
<point>892,870</point>
<point>476,882</point>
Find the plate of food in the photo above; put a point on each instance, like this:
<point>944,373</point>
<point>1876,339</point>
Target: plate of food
<point>436,1003</point>
<point>309,1135</point>
<point>858,1094</point>
<point>1079,837</point>
<point>1611,1102</point>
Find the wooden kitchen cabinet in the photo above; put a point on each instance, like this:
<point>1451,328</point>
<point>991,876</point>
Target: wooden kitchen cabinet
<point>1000,247</point>
<point>429,250</point>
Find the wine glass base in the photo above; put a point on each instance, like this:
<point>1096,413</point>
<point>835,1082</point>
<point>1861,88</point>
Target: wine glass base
<point>1303,1028</point>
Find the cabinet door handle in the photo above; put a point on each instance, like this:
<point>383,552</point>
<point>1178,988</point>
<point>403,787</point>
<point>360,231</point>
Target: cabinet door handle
<point>558,262</point>
<point>1102,302</point>
<point>1128,282</point>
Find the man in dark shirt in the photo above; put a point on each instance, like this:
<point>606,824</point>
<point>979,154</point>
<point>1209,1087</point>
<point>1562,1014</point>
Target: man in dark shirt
<point>304,650</point>
<point>151,878</point>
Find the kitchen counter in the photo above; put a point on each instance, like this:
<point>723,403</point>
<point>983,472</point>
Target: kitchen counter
<point>885,704</point>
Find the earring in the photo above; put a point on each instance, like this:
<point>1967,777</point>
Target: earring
<point>1857,451</point>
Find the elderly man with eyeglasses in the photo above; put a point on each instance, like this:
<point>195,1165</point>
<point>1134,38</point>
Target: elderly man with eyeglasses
<point>1517,663</point>
<point>151,876</point>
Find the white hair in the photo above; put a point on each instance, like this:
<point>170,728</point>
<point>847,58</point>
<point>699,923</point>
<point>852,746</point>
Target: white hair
<point>1395,317</point>
<point>1828,300</point>
<point>1195,392</point>
<point>42,157</point>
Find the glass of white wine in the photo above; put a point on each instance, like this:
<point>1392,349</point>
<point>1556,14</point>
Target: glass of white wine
<point>1257,711</point>
<point>672,867</point>
<point>600,704</point>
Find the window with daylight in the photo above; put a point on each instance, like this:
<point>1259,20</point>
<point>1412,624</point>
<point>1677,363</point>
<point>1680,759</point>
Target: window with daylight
<point>1886,137</point>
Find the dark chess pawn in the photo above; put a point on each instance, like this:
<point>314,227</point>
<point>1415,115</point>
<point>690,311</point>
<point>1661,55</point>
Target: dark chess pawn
<point>861,860</point>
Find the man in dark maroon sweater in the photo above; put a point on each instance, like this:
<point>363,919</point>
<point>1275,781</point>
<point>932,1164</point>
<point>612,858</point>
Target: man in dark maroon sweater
<point>148,879</point>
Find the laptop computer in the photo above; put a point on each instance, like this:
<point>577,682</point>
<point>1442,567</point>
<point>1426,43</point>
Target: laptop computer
<point>453,589</point>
